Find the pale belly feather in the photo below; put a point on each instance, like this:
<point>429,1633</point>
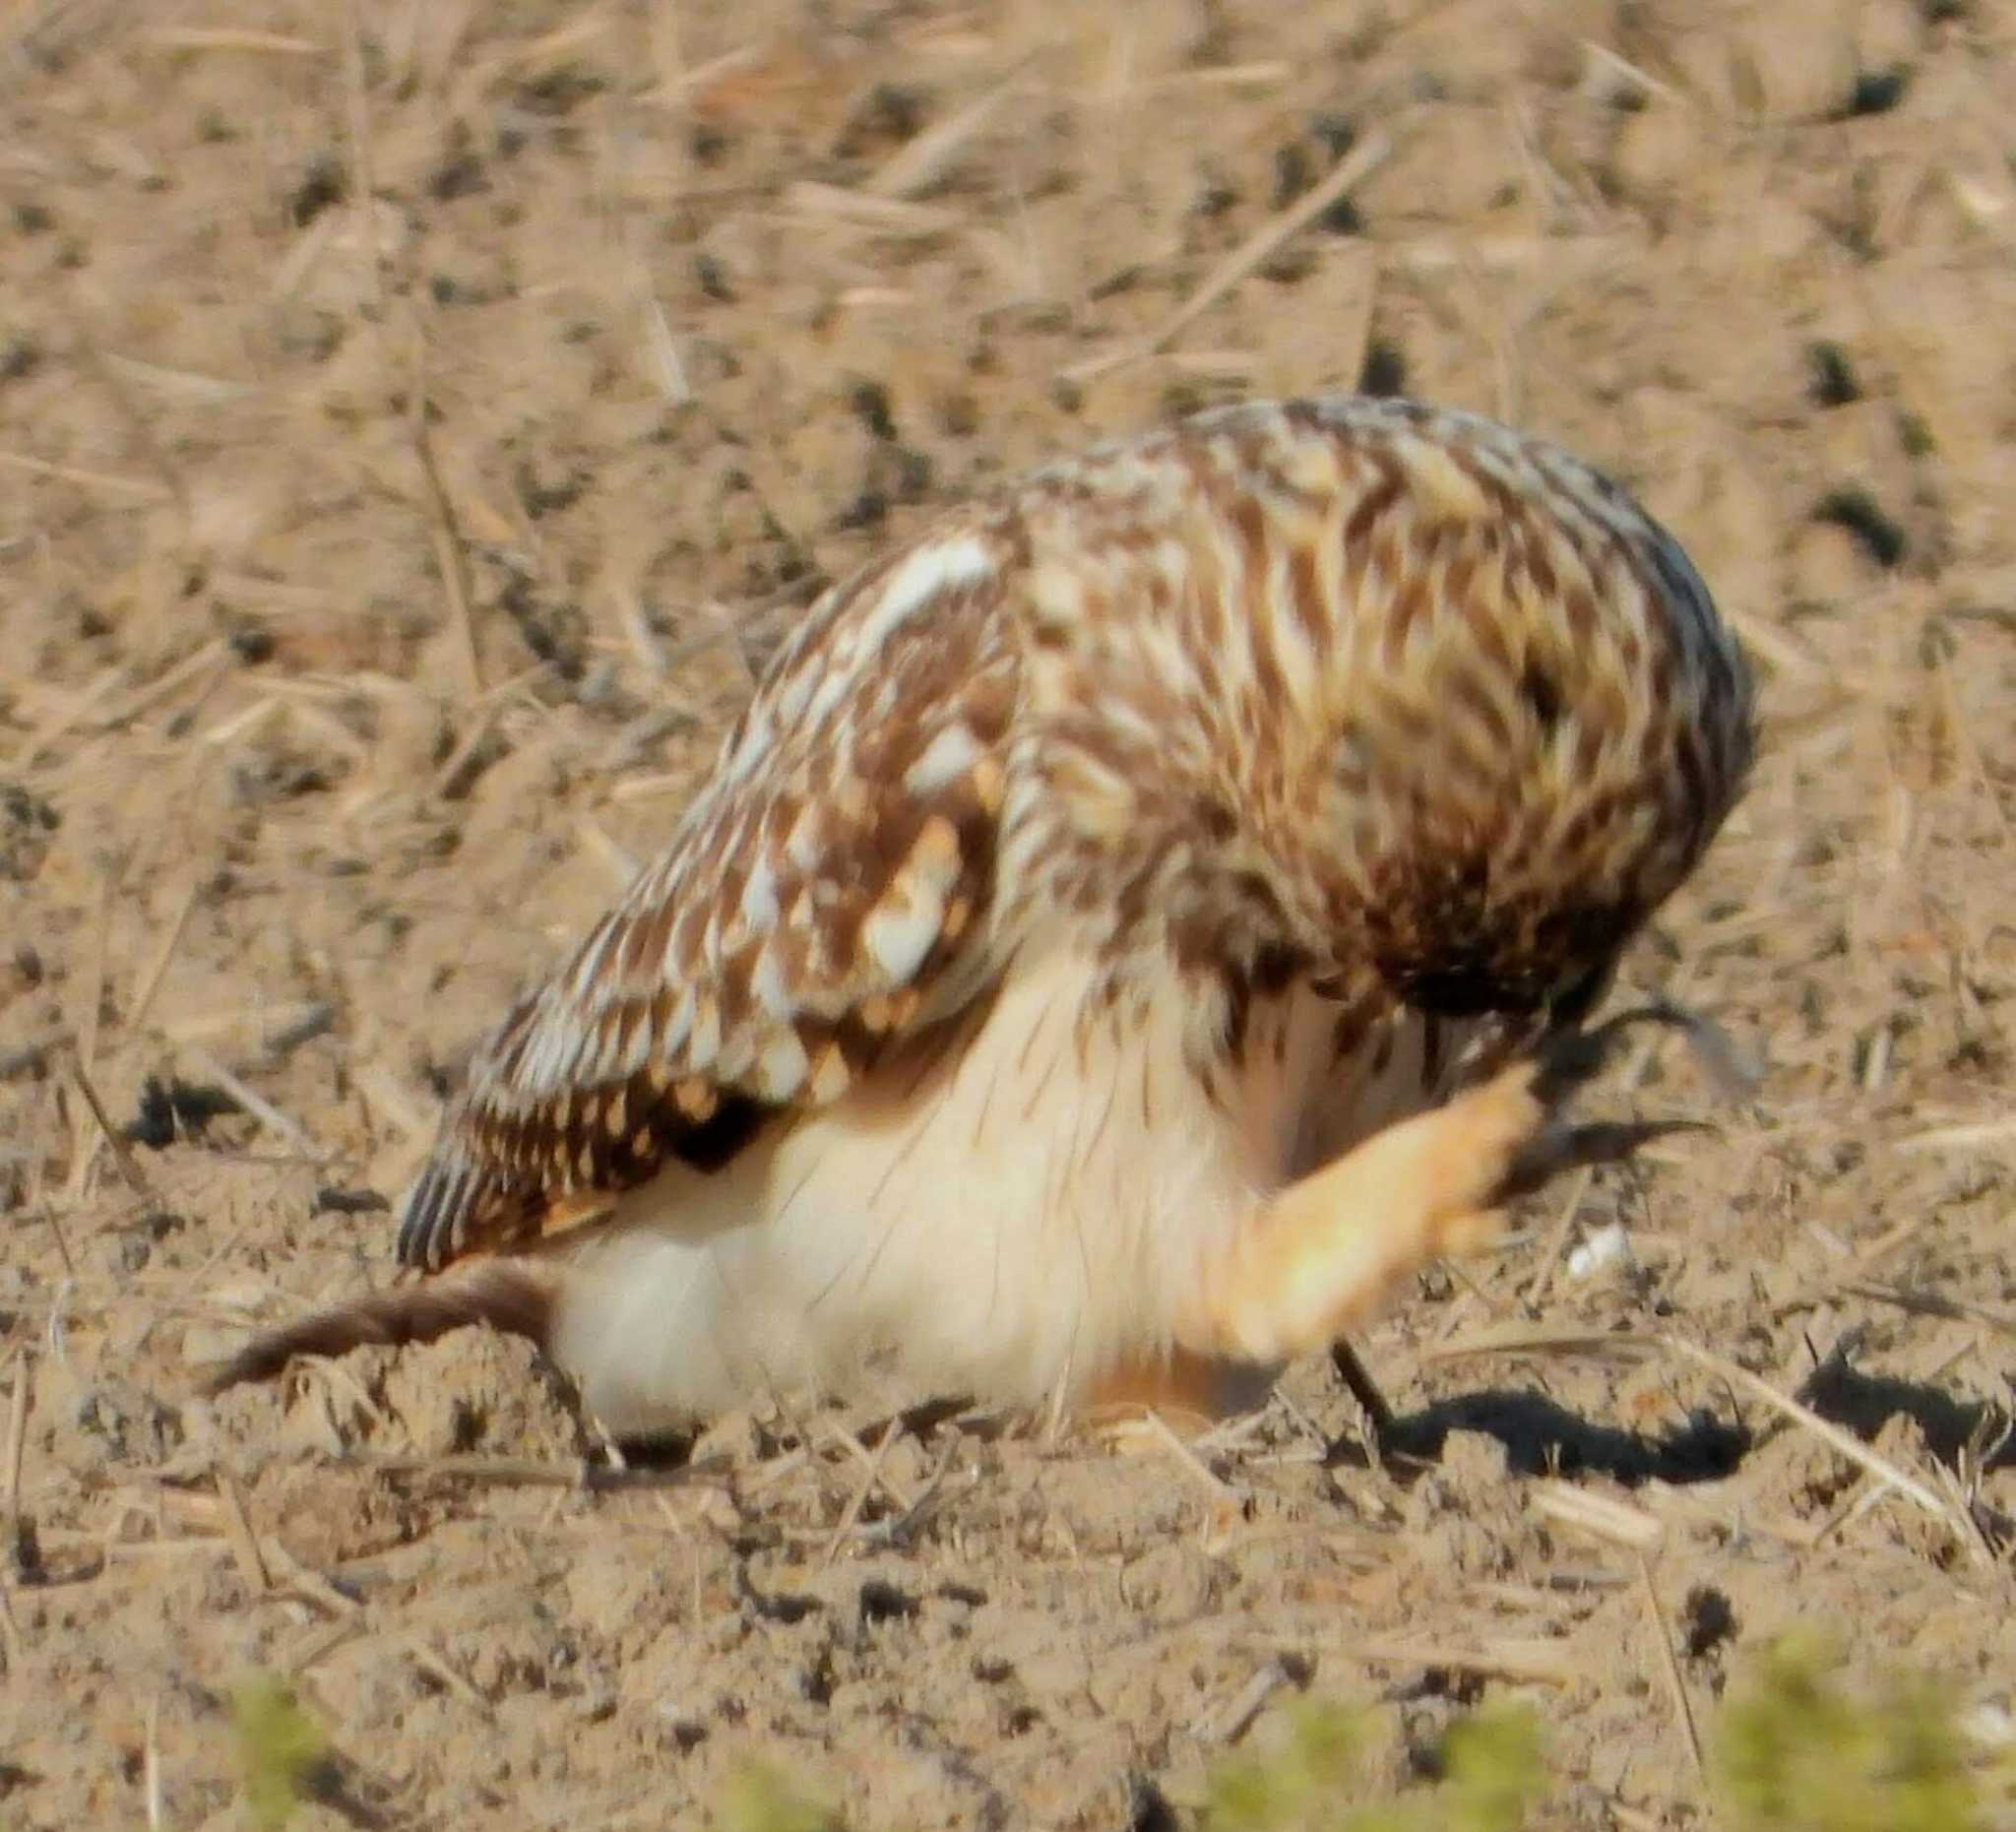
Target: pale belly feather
<point>1045,1216</point>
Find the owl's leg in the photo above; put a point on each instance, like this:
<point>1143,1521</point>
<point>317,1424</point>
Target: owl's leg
<point>1380,1419</point>
<point>1187,1390</point>
<point>1315,1259</point>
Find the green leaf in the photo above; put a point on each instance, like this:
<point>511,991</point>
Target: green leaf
<point>1795,1752</point>
<point>759,1800</point>
<point>283,1752</point>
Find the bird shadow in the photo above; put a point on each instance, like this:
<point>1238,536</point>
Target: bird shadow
<point>1954,1429</point>
<point>1541,1438</point>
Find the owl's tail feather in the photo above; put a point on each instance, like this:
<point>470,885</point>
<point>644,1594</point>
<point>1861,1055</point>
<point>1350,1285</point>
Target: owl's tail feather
<point>509,1294</point>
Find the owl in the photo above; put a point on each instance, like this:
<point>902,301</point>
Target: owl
<point>1133,927</point>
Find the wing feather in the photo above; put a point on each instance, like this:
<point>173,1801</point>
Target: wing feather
<point>824,897</point>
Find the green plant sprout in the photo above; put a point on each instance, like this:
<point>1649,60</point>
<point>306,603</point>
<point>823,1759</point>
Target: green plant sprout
<point>1490,1766</point>
<point>759,1800</point>
<point>285,1756</point>
<point>1797,1750</point>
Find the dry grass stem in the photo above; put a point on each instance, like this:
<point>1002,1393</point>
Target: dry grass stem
<point>363,171</point>
<point>860,210</point>
<point>1669,1667</point>
<point>1976,1135</point>
<point>450,553</point>
<point>1829,1433</point>
<point>311,1586</point>
<point>1519,1662</point>
<point>1540,1339</point>
<point>123,1152</point>
<point>871,1476</point>
<point>251,1561</point>
<point>141,490</point>
<point>231,38</point>
<point>437,1665</point>
<point>319,1643</point>
<point>931,154</point>
<point>1602,1517</point>
<point>1356,165</point>
<point>1934,1304</point>
<point>264,1023</point>
<point>200,666</point>
<point>1244,1711</point>
<point>583,1474</point>
<point>17,1436</point>
<point>151,1767</point>
<point>1554,1249</point>
<point>89,1129</point>
<point>1263,75</point>
<point>13,1648</point>
<point>390,1100</point>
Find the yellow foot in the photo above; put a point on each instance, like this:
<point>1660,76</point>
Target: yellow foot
<point>1318,1256</point>
<point>1187,1392</point>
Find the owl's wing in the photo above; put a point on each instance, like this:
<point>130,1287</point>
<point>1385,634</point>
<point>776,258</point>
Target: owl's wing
<point>826,896</point>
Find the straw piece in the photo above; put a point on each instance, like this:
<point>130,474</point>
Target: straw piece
<point>928,157</point>
<point>883,215</point>
<point>142,489</point>
<point>1670,1669</point>
<point>230,39</point>
<point>17,1436</point>
<point>1353,168</point>
<point>129,1170</point>
<point>244,1543</point>
<point>1538,1662</point>
<point>1853,1448</point>
<point>1601,1516</point>
<point>206,1067</point>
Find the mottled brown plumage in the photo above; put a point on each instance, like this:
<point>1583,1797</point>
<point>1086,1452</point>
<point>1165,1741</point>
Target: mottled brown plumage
<point>1340,716</point>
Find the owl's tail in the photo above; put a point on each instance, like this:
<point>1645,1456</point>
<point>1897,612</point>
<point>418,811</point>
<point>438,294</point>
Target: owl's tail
<point>510,1295</point>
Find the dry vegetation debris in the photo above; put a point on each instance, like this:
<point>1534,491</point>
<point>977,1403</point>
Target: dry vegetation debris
<point>419,418</point>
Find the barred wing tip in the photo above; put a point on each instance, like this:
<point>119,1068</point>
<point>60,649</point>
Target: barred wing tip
<point>436,1215</point>
<point>460,1207</point>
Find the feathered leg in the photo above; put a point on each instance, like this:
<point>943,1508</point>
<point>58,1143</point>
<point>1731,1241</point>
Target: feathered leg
<point>1318,1257</point>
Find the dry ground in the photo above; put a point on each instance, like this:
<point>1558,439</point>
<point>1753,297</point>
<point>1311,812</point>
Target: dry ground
<point>417,419</point>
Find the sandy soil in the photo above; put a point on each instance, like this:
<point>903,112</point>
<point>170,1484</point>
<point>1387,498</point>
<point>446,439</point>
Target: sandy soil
<point>411,439</point>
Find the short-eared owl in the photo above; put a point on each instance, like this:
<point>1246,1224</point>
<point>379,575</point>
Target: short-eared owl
<point>1133,926</point>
